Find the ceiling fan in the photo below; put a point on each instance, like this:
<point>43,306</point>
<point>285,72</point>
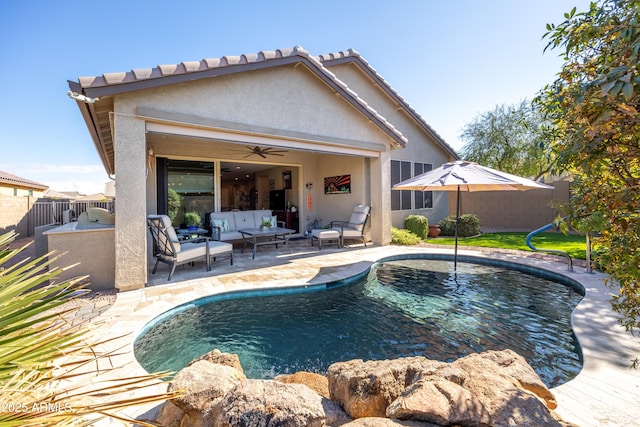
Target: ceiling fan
<point>264,152</point>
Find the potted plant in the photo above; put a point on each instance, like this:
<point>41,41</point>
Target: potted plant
<point>192,219</point>
<point>266,223</point>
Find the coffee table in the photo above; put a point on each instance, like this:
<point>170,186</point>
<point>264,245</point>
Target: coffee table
<point>186,234</point>
<point>269,236</point>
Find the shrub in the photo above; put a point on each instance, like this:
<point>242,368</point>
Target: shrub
<point>418,225</point>
<point>404,237</point>
<point>469,226</point>
<point>192,218</point>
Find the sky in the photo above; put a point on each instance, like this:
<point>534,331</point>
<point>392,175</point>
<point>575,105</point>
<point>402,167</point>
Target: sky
<point>451,60</point>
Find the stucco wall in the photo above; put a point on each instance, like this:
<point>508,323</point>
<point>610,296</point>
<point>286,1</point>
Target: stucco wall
<point>421,146</point>
<point>287,98</point>
<point>92,249</point>
<point>513,210</point>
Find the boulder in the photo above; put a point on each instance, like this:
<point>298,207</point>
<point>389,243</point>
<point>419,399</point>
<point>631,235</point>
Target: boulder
<point>365,389</point>
<point>271,403</point>
<point>216,356</point>
<point>315,382</point>
<point>439,401</point>
<point>204,384</point>
<point>508,402</point>
<point>509,363</point>
<point>386,422</point>
<point>170,415</point>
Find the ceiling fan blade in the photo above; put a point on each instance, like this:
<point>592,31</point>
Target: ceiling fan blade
<point>261,155</point>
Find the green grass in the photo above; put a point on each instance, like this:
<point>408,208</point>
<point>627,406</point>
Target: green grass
<point>574,245</point>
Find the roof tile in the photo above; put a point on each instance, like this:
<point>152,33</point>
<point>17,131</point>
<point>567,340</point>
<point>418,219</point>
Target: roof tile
<point>9,178</point>
<point>168,69</point>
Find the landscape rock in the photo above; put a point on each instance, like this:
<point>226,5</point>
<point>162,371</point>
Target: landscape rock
<point>271,403</point>
<point>204,384</point>
<point>508,403</point>
<point>216,356</point>
<point>316,382</point>
<point>365,389</point>
<point>493,388</point>
<point>386,422</point>
<point>509,363</point>
<point>439,401</point>
<point>170,415</point>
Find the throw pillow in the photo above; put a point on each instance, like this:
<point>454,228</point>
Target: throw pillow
<point>221,223</point>
<point>272,219</point>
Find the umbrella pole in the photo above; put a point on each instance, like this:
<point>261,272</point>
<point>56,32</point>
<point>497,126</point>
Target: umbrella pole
<point>455,253</point>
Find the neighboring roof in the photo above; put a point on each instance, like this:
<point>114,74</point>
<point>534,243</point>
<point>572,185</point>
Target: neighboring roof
<point>88,91</point>
<point>95,196</point>
<point>53,194</point>
<point>352,56</point>
<point>11,179</point>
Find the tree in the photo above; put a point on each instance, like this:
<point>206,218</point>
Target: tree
<point>593,105</point>
<point>509,138</point>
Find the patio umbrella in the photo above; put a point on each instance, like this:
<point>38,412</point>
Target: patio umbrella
<point>466,176</point>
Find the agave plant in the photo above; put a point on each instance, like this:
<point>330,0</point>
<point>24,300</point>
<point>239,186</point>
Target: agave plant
<point>49,374</point>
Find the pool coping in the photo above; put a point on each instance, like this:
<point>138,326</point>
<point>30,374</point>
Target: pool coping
<point>604,393</point>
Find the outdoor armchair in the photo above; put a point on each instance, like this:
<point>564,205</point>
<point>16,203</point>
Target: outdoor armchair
<point>355,227</point>
<point>168,249</point>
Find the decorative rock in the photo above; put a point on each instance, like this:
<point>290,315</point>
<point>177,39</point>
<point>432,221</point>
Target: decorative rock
<point>510,363</point>
<point>365,389</point>
<point>386,422</point>
<point>170,415</point>
<point>216,356</point>
<point>439,401</point>
<point>204,384</point>
<point>315,382</point>
<point>270,403</point>
<point>508,403</point>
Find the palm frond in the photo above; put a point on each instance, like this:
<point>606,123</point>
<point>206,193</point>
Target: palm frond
<point>48,369</point>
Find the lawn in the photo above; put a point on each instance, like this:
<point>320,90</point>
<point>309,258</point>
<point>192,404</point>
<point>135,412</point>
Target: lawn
<point>574,245</point>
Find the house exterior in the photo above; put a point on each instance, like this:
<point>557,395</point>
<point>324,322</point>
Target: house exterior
<point>13,185</point>
<point>225,133</point>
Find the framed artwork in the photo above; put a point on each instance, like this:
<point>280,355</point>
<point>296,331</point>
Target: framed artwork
<point>340,184</point>
<point>286,179</point>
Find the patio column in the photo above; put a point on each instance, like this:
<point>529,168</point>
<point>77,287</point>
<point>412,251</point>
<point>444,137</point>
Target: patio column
<point>380,179</point>
<point>130,238</point>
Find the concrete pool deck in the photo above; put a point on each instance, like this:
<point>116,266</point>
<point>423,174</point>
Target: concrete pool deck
<point>605,393</point>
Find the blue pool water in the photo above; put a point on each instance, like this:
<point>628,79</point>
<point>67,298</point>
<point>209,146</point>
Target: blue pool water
<point>401,308</point>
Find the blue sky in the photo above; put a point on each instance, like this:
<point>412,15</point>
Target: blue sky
<point>451,60</point>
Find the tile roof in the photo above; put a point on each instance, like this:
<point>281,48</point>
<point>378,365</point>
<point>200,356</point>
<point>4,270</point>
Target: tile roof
<point>109,84</point>
<point>11,179</point>
<point>113,83</point>
<point>352,56</point>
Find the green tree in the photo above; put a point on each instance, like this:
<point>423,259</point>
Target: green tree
<point>174,202</point>
<point>508,138</point>
<point>593,105</point>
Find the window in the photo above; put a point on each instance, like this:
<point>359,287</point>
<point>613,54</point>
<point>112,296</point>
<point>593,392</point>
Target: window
<point>31,193</point>
<point>400,171</point>
<point>422,199</point>
<point>15,191</point>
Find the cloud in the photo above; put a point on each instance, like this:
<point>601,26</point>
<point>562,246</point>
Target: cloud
<point>86,179</point>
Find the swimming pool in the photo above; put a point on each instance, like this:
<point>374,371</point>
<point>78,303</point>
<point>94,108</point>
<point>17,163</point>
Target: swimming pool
<point>402,307</point>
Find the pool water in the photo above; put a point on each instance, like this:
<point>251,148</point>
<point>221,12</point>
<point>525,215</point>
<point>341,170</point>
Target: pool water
<point>402,308</point>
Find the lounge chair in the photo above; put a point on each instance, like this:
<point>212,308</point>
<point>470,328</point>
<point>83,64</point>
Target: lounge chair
<point>355,227</point>
<point>168,249</point>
